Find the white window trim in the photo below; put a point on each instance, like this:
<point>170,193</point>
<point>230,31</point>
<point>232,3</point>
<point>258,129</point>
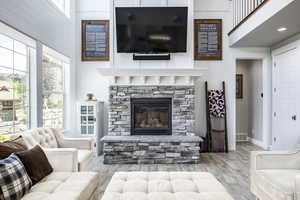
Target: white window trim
<point>28,42</point>
<point>16,35</point>
<point>67,7</point>
<point>66,61</point>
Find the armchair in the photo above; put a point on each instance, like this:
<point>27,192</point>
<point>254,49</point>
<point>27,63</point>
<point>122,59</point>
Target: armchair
<point>275,175</point>
<point>65,154</point>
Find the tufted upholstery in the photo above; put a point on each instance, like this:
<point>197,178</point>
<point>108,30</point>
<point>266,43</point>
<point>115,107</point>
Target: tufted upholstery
<point>40,136</point>
<point>72,150</point>
<point>275,175</point>
<point>65,185</point>
<point>165,186</point>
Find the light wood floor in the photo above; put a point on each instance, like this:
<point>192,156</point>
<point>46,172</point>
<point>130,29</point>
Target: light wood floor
<point>231,169</point>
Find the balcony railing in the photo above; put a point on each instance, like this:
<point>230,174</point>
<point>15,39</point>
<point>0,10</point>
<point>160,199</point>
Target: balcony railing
<point>243,9</point>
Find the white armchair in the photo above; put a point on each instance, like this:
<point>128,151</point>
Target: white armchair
<point>64,154</point>
<point>275,175</point>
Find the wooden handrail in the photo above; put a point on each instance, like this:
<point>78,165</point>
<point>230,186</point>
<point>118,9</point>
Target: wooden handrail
<point>248,16</point>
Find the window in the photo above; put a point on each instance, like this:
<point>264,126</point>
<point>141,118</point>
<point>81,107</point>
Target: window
<point>63,5</point>
<point>14,86</point>
<point>53,76</point>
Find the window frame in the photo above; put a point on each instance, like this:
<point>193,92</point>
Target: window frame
<point>28,72</point>
<point>66,8</point>
<point>65,62</point>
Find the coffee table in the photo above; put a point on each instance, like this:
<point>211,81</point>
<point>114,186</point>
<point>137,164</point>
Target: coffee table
<point>165,186</point>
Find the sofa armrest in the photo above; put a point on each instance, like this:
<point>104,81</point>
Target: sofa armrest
<point>63,159</point>
<point>297,188</point>
<point>261,160</point>
<point>78,143</point>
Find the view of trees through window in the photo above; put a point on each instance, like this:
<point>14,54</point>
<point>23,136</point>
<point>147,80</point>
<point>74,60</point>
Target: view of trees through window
<point>53,92</point>
<point>14,86</point>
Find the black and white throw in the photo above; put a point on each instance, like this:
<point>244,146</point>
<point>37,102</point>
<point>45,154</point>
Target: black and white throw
<point>216,103</point>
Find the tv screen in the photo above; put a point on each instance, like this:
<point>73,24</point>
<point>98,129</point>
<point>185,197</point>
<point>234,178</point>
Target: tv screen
<point>151,29</point>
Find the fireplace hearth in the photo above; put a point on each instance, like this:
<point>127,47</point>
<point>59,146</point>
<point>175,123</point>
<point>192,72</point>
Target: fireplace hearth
<point>151,116</point>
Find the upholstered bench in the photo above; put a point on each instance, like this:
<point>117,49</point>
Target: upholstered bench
<point>165,186</point>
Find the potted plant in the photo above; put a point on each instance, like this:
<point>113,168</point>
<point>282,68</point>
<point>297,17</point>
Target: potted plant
<point>90,96</point>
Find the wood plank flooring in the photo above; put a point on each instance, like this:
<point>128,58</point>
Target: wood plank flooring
<point>231,169</point>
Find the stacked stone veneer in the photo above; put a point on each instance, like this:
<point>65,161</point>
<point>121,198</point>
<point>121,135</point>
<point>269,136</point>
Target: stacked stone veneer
<point>151,150</point>
<point>182,108</point>
<point>151,153</point>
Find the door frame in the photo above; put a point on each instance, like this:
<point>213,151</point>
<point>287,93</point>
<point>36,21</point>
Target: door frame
<point>263,54</point>
<point>275,52</point>
<point>259,143</point>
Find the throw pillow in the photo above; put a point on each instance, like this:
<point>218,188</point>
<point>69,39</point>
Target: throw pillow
<point>13,146</point>
<point>14,181</point>
<point>36,163</point>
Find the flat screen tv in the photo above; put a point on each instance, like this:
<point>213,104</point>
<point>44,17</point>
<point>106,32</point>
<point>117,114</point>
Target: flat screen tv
<point>151,29</point>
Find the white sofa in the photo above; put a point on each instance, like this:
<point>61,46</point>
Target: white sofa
<point>63,184</point>
<point>275,175</point>
<point>74,151</point>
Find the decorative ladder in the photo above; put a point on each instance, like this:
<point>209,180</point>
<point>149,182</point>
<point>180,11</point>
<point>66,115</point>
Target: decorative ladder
<point>216,140</point>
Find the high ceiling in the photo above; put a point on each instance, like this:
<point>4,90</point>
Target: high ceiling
<point>266,35</point>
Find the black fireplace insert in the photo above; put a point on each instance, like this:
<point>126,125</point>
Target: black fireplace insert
<point>151,116</point>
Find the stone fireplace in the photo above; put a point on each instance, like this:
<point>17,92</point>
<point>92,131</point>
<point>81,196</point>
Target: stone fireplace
<point>151,116</point>
<point>151,110</point>
<point>151,125</point>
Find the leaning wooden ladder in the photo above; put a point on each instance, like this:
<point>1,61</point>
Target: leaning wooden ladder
<point>212,141</point>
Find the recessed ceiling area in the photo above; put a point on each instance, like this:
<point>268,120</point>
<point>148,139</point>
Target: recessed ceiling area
<point>267,34</point>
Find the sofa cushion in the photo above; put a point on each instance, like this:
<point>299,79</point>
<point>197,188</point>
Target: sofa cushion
<point>13,146</point>
<point>14,181</point>
<point>280,184</point>
<point>64,185</point>
<point>165,186</point>
<point>36,163</point>
<point>40,136</point>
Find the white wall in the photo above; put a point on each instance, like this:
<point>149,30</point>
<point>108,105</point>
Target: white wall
<point>89,80</point>
<point>46,24</point>
<point>218,71</point>
<point>41,20</point>
<point>255,100</point>
<point>242,105</point>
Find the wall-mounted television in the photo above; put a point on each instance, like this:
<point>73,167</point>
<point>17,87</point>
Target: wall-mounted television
<point>151,29</point>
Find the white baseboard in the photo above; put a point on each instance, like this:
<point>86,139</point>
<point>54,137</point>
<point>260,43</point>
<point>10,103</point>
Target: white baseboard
<point>242,137</point>
<point>257,142</point>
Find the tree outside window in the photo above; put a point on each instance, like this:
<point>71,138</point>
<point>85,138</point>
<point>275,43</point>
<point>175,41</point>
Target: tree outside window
<point>53,92</point>
<point>14,86</point>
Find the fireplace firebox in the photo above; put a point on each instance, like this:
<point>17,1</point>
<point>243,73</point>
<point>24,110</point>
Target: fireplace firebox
<point>151,116</point>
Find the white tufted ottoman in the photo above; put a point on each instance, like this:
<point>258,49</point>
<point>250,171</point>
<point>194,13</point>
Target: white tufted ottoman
<point>165,186</point>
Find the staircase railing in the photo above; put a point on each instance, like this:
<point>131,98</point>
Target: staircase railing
<point>243,9</point>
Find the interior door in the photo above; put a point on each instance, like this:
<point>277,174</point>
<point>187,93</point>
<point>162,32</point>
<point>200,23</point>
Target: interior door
<point>286,99</point>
